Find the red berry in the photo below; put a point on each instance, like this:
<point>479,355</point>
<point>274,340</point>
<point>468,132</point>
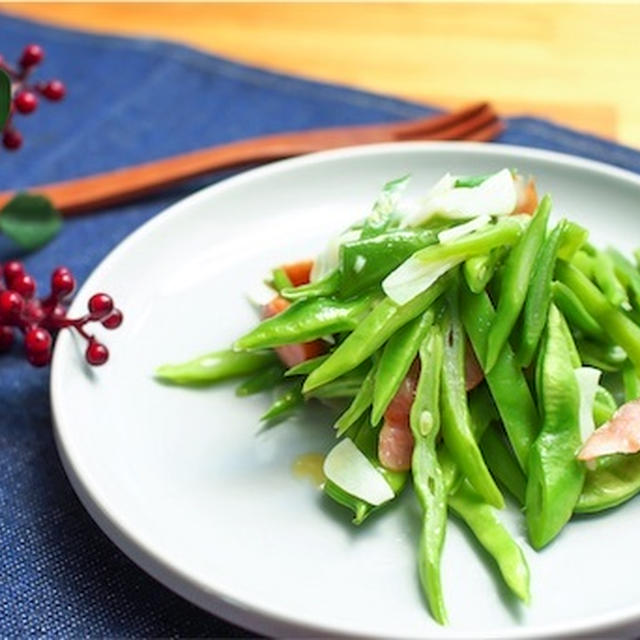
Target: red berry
<point>12,139</point>
<point>96,353</point>
<point>39,359</point>
<point>11,304</point>
<point>23,284</point>
<point>53,90</point>
<point>37,340</point>
<point>56,315</point>
<point>31,55</point>
<point>32,314</point>
<point>6,338</point>
<point>12,270</point>
<point>100,306</point>
<point>62,283</point>
<point>26,102</point>
<point>113,320</point>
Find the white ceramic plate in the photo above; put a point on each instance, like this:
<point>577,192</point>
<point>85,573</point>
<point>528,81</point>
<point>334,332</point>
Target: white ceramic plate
<point>180,480</point>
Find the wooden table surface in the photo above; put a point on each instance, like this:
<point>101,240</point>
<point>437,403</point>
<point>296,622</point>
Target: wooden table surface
<point>578,64</point>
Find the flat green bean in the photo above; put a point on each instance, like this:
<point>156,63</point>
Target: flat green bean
<point>428,480</point>
<point>502,464</point>
<point>395,362</point>
<point>305,367</point>
<point>574,238</point>
<point>478,270</point>
<point>575,313</point>
<point>517,276</point>
<point>306,320</point>
<point>365,263</point>
<point>359,405</point>
<point>604,406</point>
<point>615,480</point>
<point>215,367</point>
<point>456,429</point>
<point>506,381</point>
<point>604,356</point>
<point>268,378</point>
<point>627,274</point>
<point>606,279</point>
<point>613,322</point>
<point>280,279</point>
<point>503,233</point>
<point>290,400</point>
<point>555,475</point>
<point>536,306</point>
<point>327,286</point>
<point>492,535</point>
<point>372,332</point>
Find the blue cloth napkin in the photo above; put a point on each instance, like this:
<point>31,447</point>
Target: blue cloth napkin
<point>130,101</point>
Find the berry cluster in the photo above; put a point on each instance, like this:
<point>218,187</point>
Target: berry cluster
<point>41,319</point>
<point>24,93</point>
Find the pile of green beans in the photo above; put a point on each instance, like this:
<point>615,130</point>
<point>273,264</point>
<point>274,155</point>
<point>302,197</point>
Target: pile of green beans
<point>532,312</point>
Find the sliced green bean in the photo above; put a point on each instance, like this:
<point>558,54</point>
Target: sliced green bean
<point>365,263</point>
<point>605,277</point>
<point>359,405</point>
<point>502,464</point>
<point>506,381</point>
<point>607,357</point>
<point>492,535</point>
<point>306,320</point>
<point>555,475</point>
<point>478,270</point>
<point>575,313</point>
<point>372,332</point>
<point>615,480</point>
<point>383,214</point>
<point>215,367</point>
<point>612,321</point>
<point>327,286</point>
<point>346,386</point>
<point>306,366</point>
<point>503,233</point>
<point>290,400</point>
<point>627,274</point>
<point>517,276</point>
<point>268,378</point>
<point>539,295</point>
<point>481,412</point>
<point>395,362</point>
<point>574,238</point>
<point>604,406</point>
<point>428,480</point>
<point>584,262</point>
<point>456,428</point>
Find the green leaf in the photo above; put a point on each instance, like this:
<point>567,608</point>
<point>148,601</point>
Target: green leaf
<point>5,97</point>
<point>30,220</point>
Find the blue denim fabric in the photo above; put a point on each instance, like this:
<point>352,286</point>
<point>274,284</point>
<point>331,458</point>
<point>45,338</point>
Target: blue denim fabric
<point>129,101</point>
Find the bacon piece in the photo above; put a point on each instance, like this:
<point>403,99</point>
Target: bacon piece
<point>620,435</point>
<point>299,272</point>
<point>395,442</point>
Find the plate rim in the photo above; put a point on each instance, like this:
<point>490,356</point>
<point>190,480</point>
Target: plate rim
<point>205,596</point>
